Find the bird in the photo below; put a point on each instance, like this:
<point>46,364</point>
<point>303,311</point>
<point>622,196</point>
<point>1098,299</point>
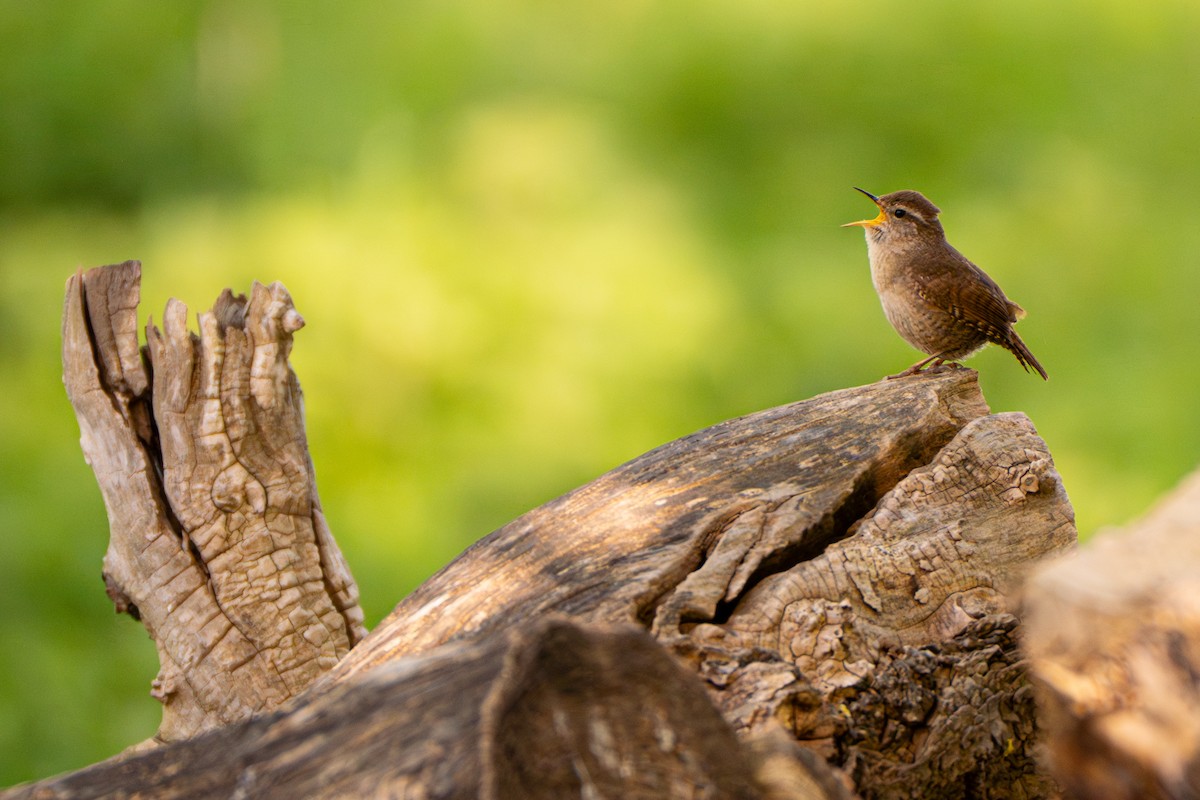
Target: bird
<point>934,297</point>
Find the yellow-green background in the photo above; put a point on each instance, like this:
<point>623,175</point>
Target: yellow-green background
<point>535,239</point>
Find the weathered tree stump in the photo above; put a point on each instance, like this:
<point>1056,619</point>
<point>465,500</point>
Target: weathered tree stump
<point>823,582</point>
<point>1114,645</point>
<point>218,544</point>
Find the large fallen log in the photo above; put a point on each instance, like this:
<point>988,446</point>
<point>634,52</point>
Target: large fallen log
<point>836,569</point>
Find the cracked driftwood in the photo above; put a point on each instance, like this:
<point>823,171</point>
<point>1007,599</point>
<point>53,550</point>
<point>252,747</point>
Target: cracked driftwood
<point>1114,645</point>
<point>828,578</point>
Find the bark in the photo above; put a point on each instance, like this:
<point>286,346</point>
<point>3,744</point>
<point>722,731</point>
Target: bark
<point>820,582</point>
<point>1114,644</point>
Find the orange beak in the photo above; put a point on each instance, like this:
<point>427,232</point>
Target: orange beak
<point>868,223</point>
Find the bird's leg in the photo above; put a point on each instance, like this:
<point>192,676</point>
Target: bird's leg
<point>915,368</point>
<point>938,363</point>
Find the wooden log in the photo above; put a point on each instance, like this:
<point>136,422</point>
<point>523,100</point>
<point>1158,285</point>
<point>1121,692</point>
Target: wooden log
<point>1114,645</point>
<point>671,536</point>
<point>551,711</point>
<point>839,565</point>
<point>834,571</point>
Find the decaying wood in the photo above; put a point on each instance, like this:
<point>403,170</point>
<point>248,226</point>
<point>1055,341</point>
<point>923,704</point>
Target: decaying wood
<point>834,571</point>
<point>670,537</point>
<point>552,711</point>
<point>217,541</point>
<point>1114,644</point>
<point>839,565</point>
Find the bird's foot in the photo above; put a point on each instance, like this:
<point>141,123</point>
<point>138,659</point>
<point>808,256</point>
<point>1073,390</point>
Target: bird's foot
<point>931,365</point>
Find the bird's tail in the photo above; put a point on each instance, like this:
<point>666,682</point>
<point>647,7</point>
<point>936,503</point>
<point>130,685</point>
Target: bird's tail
<point>1017,347</point>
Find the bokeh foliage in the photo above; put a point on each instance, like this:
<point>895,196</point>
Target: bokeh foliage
<point>533,240</point>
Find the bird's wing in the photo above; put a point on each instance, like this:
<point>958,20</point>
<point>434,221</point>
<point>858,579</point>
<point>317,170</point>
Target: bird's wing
<point>967,293</point>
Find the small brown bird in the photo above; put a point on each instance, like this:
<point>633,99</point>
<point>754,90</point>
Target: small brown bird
<point>935,298</point>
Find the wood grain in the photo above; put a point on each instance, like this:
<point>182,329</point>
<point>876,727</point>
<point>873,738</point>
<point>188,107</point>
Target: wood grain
<point>217,541</point>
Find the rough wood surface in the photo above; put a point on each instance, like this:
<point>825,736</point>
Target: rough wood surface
<point>838,565</point>
<point>217,541</point>
<point>686,529</point>
<point>1114,644</point>
<point>834,571</point>
<point>552,711</point>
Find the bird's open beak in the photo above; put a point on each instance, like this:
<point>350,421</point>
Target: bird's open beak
<point>868,223</point>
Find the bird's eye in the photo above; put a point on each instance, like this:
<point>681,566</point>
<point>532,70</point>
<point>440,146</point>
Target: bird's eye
<point>898,213</point>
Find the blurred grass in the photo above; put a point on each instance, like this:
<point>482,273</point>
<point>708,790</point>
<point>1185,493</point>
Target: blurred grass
<point>534,240</point>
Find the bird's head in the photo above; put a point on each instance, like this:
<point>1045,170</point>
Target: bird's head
<point>902,214</point>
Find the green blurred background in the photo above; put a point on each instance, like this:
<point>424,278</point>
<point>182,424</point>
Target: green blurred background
<point>533,240</point>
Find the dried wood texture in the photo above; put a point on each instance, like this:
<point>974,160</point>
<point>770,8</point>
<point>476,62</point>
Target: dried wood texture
<point>838,565</point>
<point>690,526</point>
<point>1114,646</point>
<point>217,540</point>
<point>551,712</point>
